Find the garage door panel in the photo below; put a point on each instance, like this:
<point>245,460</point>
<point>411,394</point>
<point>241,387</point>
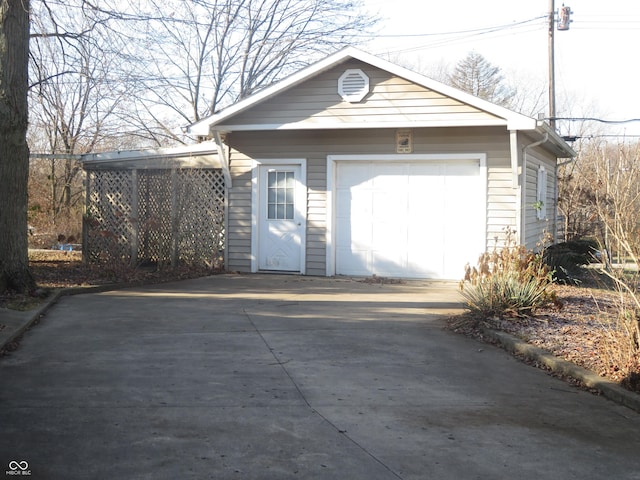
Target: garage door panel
<point>388,176</point>
<point>417,171</point>
<point>386,236</point>
<point>387,262</point>
<point>411,219</point>
<point>353,174</point>
<point>353,260</point>
<point>388,204</point>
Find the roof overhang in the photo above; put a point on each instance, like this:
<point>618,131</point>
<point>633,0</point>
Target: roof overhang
<point>201,155</point>
<point>554,142</point>
<point>338,125</point>
<point>204,127</point>
<point>223,121</point>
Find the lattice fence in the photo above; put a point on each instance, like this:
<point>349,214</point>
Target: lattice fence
<point>155,216</point>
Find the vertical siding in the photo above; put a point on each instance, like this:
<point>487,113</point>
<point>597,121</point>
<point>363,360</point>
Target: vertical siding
<point>315,146</point>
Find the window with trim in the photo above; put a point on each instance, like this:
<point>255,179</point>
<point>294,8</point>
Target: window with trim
<point>280,195</point>
<point>541,199</point>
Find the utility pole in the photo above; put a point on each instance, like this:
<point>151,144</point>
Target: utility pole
<point>563,24</point>
<point>552,66</point>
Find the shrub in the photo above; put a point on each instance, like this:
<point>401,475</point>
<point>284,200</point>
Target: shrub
<point>507,281</point>
<point>567,259</point>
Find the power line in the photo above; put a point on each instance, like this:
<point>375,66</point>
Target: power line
<point>593,119</point>
<point>462,38</point>
<point>478,31</point>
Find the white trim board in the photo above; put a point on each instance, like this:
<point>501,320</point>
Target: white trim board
<point>255,198</point>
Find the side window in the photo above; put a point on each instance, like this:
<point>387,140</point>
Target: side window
<point>541,200</point>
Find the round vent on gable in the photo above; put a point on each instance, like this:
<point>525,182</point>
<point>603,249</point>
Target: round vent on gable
<point>353,85</point>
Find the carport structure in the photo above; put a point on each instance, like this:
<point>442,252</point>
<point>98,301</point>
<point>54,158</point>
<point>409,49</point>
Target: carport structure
<point>160,206</point>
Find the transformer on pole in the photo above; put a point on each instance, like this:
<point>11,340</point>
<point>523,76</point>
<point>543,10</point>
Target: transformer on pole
<point>564,19</point>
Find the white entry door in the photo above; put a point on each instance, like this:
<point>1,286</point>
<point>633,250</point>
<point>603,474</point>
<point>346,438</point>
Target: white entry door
<point>282,214</point>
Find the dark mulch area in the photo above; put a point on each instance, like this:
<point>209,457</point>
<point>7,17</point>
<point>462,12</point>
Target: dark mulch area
<point>583,326</point>
<point>54,269</point>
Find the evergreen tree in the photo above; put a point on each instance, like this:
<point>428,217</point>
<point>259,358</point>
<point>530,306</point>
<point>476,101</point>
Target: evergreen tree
<point>476,75</point>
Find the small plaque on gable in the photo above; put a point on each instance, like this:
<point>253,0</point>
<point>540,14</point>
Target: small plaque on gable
<point>404,141</point>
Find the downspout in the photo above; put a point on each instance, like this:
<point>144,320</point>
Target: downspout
<point>524,184</point>
<point>226,172</point>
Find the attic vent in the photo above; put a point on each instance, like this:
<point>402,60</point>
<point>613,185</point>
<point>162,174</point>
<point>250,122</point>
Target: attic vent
<point>353,85</point>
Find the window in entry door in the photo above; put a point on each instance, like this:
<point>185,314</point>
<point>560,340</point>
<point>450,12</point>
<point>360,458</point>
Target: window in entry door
<point>280,194</point>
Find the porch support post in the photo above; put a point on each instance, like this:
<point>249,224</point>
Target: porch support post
<point>174,217</point>
<point>86,225</point>
<point>224,159</point>
<point>226,172</point>
<point>134,220</point>
<point>516,183</point>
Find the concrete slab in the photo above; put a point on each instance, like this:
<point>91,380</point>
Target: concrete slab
<point>261,376</point>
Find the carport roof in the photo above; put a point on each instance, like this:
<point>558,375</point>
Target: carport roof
<point>201,155</point>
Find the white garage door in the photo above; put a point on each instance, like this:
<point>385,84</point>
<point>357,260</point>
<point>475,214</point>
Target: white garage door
<point>408,219</point>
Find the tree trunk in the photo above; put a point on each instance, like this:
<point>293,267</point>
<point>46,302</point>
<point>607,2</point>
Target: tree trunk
<point>14,152</point>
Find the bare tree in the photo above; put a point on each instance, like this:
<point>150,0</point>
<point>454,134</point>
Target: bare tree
<point>14,152</point>
<point>207,54</point>
<point>72,98</point>
<point>190,58</point>
<point>617,198</point>
<point>530,96</point>
<point>577,192</point>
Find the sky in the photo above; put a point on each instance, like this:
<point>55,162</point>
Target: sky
<point>596,61</point>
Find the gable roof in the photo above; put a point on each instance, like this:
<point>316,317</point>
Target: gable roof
<point>513,120</point>
<point>500,115</point>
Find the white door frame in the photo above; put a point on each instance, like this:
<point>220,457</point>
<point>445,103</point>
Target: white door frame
<point>257,194</point>
<point>332,161</point>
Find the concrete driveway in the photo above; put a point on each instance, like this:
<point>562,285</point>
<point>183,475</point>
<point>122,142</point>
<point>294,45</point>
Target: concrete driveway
<point>282,377</point>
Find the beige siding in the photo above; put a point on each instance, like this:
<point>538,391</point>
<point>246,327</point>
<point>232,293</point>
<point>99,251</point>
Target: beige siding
<point>391,100</point>
<point>536,230</point>
<point>315,146</point>
<point>239,221</point>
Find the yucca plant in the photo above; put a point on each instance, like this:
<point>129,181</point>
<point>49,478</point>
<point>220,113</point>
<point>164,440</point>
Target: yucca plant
<point>509,280</point>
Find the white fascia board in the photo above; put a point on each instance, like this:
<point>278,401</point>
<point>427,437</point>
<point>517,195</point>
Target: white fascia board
<point>200,149</point>
<point>358,125</point>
